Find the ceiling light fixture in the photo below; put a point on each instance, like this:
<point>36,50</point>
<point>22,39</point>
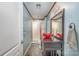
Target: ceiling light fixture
<point>38,5</point>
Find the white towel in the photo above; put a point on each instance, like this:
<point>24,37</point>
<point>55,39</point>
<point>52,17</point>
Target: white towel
<point>72,39</point>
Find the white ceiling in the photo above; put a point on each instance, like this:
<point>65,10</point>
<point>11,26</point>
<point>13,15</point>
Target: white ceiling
<point>39,13</point>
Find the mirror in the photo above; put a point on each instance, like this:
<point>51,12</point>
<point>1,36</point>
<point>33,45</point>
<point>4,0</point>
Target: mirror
<point>57,26</point>
<point>57,23</point>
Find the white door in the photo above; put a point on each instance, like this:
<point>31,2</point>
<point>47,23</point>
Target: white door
<point>10,29</point>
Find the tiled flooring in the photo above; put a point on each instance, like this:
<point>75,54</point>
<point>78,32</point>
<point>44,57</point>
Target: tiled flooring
<point>35,50</point>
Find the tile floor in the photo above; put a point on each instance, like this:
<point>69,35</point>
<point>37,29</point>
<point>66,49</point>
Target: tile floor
<point>35,50</point>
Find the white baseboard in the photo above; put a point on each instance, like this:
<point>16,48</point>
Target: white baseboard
<point>27,48</point>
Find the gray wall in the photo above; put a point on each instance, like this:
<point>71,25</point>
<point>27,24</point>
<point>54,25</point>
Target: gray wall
<point>47,24</point>
<point>27,29</point>
<point>71,15</point>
